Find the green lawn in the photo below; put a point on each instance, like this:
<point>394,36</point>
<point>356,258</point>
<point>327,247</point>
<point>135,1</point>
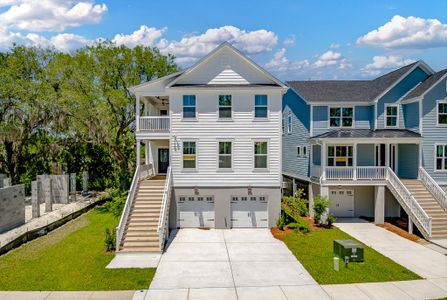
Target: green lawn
<point>70,258</point>
<point>315,252</point>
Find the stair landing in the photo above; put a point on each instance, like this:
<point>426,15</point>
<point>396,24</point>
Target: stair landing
<point>430,206</point>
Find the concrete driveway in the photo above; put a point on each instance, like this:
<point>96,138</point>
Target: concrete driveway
<point>230,264</point>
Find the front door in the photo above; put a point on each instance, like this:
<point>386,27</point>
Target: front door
<point>163,160</point>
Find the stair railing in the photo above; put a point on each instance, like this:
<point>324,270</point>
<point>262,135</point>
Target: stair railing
<point>433,187</point>
<point>163,222</point>
<point>409,203</point>
<point>124,216</point>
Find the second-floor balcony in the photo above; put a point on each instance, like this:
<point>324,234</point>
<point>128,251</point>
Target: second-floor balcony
<point>349,173</point>
<point>153,124</point>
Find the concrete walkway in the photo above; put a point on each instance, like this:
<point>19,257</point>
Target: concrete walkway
<point>424,261</point>
<point>229,264</point>
<point>78,295</point>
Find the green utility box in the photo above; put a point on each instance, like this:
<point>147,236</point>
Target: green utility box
<point>350,248</point>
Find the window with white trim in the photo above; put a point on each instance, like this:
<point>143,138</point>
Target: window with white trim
<point>298,151</point>
<point>261,106</point>
<point>442,112</point>
<point>189,155</point>
<point>391,115</point>
<point>225,107</point>
<point>260,155</point>
<point>289,123</point>
<point>189,106</point>
<point>339,156</point>
<point>341,116</point>
<point>441,157</point>
<point>304,151</point>
<point>225,151</point>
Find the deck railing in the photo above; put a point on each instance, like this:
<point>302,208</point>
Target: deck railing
<point>355,173</point>
<point>154,123</point>
<point>163,222</point>
<point>433,187</point>
<point>409,203</point>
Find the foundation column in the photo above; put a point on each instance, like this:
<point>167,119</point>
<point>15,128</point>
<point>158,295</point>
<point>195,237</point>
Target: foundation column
<point>379,204</point>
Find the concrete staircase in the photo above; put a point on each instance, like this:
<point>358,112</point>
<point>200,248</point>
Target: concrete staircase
<point>140,234</point>
<point>430,206</point>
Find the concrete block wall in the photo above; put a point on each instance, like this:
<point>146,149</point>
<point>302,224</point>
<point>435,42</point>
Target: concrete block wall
<point>12,207</point>
<point>60,185</point>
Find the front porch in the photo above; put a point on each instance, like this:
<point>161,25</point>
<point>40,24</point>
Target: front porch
<point>152,117</point>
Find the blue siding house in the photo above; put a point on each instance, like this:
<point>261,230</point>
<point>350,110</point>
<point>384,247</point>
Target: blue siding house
<point>377,148</point>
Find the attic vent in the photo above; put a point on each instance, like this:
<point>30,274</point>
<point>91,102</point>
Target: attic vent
<point>225,62</point>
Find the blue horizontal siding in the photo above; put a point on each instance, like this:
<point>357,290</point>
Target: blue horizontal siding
<point>365,155</point>
<point>363,117</point>
<point>316,155</point>
<point>411,116</point>
<point>408,160</point>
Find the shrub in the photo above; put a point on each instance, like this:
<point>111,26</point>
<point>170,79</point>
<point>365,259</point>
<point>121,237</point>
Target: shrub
<point>280,223</point>
<point>300,225</point>
<point>297,203</point>
<point>321,204</point>
<point>109,239</point>
<point>116,199</point>
<point>331,220</point>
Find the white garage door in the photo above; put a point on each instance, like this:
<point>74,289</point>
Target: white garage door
<point>249,211</point>
<point>342,203</point>
<point>195,211</point>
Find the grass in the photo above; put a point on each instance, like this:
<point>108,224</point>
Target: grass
<point>70,258</point>
<point>315,252</point>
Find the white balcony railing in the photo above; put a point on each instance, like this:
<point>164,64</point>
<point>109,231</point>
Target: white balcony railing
<point>163,221</point>
<point>153,123</point>
<point>434,188</point>
<point>355,173</point>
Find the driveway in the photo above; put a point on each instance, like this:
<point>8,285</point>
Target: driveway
<point>422,260</point>
<point>230,264</point>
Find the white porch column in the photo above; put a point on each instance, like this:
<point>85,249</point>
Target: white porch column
<point>410,225</point>
<point>420,155</point>
<point>310,193</point>
<point>146,153</point>
<point>379,204</point>
<point>354,161</point>
<point>387,155</point>
<point>324,192</point>
<point>293,187</point>
<point>137,112</point>
<point>138,153</point>
<point>323,160</point>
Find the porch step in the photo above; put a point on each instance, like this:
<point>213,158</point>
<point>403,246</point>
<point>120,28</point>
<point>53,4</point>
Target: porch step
<point>141,249</point>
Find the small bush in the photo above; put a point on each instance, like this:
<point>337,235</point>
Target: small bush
<point>321,204</point>
<point>331,220</point>
<point>109,239</point>
<point>300,225</point>
<point>116,199</point>
<point>297,203</point>
<point>280,223</point>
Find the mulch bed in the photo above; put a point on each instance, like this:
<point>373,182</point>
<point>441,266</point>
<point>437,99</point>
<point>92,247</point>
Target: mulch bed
<point>280,234</point>
<point>398,226</point>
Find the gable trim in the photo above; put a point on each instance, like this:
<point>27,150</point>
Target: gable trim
<point>428,90</point>
<point>135,87</point>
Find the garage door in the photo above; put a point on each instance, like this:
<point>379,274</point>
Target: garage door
<point>195,211</point>
<point>342,203</point>
<point>249,211</point>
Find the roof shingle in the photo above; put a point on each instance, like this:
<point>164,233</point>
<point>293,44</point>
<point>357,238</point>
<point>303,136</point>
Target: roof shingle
<point>425,85</point>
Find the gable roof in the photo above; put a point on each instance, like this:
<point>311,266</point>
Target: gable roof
<point>238,53</point>
<point>426,85</point>
<point>353,90</point>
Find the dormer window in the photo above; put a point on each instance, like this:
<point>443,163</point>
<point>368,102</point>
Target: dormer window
<point>341,116</point>
<point>391,115</point>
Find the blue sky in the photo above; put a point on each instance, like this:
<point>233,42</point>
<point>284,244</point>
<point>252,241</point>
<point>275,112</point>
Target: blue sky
<point>292,39</point>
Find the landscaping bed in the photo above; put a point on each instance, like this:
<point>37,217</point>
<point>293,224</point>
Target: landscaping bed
<point>70,258</point>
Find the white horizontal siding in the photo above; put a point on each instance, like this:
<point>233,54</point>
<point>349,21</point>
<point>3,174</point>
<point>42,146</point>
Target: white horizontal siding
<point>228,76</point>
<point>207,130</point>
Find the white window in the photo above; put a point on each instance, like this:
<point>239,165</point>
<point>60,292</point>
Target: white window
<point>260,154</point>
<point>289,123</point>
<point>391,115</point>
<point>442,112</point>
<point>189,155</point>
<point>261,107</point>
<point>225,152</point>
<point>298,151</point>
<point>189,106</point>
<point>339,156</point>
<point>225,107</point>
<point>304,151</point>
<point>341,116</point>
<point>441,157</point>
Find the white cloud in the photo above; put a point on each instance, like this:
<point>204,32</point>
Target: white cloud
<point>146,36</point>
<point>328,58</point>
<point>192,47</point>
<point>289,41</point>
<point>50,15</point>
<point>280,64</point>
<point>67,42</point>
<point>411,32</point>
<point>381,64</point>
<point>334,46</point>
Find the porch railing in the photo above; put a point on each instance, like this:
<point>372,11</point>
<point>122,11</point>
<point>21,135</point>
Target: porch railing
<point>409,203</point>
<point>154,123</point>
<point>433,187</point>
<point>163,222</point>
<point>355,173</point>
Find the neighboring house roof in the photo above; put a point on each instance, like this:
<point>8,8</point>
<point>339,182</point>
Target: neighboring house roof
<point>368,133</point>
<point>422,88</point>
<point>351,90</point>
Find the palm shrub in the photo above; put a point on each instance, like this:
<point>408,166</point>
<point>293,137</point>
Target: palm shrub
<point>297,203</point>
<point>331,220</point>
<point>321,204</point>
<point>109,239</point>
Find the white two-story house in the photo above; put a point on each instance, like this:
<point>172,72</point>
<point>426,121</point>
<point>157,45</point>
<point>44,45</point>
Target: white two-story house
<point>212,135</point>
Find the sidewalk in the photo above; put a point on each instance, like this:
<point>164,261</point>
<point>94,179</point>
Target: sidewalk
<point>97,295</point>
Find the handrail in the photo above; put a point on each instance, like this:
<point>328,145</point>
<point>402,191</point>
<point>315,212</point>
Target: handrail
<point>130,197</point>
<point>433,187</point>
<point>355,173</point>
<point>409,203</point>
<point>163,225</point>
<point>154,123</point>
